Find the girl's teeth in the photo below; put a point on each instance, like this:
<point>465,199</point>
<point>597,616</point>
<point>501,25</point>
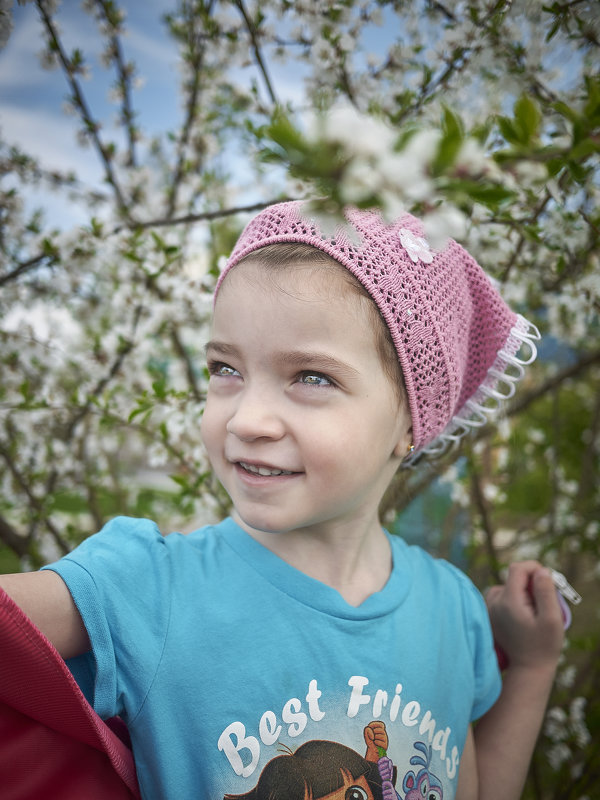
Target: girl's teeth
<point>264,470</point>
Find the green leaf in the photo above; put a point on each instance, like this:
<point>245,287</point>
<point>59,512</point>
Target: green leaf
<point>69,503</point>
<point>508,130</point>
<point>555,165</point>
<point>565,111</point>
<point>489,194</point>
<point>528,116</point>
<point>591,108</point>
<point>585,148</point>
<point>158,241</point>
<point>160,388</point>
<point>282,132</point>
<point>450,143</point>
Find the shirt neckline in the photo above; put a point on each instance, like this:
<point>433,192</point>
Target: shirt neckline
<point>312,592</point>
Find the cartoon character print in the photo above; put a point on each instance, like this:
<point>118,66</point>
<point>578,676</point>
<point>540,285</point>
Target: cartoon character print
<point>423,785</point>
<point>324,770</point>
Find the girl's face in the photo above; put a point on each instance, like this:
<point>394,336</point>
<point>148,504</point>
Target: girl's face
<point>302,426</point>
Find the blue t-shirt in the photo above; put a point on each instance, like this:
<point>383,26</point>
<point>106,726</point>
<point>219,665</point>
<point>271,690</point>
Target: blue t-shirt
<point>221,657</point>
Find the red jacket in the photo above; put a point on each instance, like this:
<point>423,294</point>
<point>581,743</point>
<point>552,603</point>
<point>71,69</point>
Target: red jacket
<point>52,742</point>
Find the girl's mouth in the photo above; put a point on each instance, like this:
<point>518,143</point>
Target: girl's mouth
<point>264,471</point>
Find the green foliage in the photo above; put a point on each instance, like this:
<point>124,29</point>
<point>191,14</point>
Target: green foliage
<point>453,136</point>
<point>459,117</point>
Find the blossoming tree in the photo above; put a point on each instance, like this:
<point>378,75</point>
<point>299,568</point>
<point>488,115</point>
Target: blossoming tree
<point>461,113</point>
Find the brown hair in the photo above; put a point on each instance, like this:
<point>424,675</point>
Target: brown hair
<point>316,769</point>
<point>292,254</point>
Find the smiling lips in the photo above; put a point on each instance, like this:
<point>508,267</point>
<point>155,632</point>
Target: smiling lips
<point>264,471</point>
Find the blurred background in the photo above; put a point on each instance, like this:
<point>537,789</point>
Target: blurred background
<point>135,142</point>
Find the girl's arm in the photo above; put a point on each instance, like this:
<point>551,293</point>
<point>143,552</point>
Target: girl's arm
<point>527,623</point>
<point>46,600</point>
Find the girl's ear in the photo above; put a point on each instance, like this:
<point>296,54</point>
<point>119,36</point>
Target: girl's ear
<point>405,445</point>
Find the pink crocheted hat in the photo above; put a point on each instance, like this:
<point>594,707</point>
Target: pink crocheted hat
<point>456,338</point>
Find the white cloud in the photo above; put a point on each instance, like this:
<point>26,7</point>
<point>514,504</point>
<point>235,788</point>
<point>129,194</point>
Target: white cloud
<point>50,138</point>
<point>160,51</point>
<point>19,64</point>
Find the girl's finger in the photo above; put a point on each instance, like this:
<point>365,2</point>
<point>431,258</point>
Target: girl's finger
<point>520,574</point>
<point>544,593</point>
<point>492,594</point>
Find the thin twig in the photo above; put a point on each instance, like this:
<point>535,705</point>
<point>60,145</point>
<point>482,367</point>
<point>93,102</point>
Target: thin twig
<point>203,216</point>
<point>91,126</point>
<point>27,266</point>
<point>187,363</point>
<point>531,220</point>
<point>527,398</point>
<point>34,501</point>
<point>83,410</point>
<point>486,523</point>
<point>408,485</point>
<point>162,222</point>
<point>18,544</point>
<point>125,74</point>
<point>257,51</point>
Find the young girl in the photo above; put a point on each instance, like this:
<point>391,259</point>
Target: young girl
<point>334,360</point>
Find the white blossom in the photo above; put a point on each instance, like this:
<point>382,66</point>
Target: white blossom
<point>361,134</point>
<point>443,223</point>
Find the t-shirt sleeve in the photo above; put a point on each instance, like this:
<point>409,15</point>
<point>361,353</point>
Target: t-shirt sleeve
<point>120,580</point>
<point>488,682</point>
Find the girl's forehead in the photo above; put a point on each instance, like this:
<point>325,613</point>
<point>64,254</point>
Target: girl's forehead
<point>302,279</point>
<point>301,302</point>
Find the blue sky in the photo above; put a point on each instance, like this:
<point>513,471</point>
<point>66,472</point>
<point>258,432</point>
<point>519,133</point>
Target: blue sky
<point>32,98</point>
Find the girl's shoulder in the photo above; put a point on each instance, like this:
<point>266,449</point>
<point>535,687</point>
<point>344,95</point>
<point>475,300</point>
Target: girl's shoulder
<point>131,532</point>
<point>426,568</point>
<point>126,544</point>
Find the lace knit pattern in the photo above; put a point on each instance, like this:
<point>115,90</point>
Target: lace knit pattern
<point>446,319</point>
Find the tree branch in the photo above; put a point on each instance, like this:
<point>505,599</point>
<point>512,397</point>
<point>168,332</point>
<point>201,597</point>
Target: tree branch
<point>257,51</point>
<point>588,460</point>
<point>532,219</point>
<point>486,523</point>
<point>91,126</point>
<point>203,216</point>
<point>196,60</point>
<point>162,222</point>
<point>27,266</point>
<point>527,398</point>
<point>409,484</point>
<point>34,501</point>
<point>18,544</point>
<point>184,356</point>
<point>83,410</point>
<point>113,19</point>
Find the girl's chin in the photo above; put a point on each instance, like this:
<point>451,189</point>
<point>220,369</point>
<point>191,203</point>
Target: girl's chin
<point>257,525</point>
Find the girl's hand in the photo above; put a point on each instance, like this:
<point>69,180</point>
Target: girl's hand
<point>526,617</point>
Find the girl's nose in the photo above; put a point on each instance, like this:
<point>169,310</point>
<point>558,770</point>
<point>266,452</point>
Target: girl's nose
<point>255,417</point>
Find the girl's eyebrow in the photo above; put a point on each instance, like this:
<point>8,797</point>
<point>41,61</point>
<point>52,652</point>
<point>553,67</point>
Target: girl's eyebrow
<point>298,359</point>
<point>321,362</point>
<point>220,348</point>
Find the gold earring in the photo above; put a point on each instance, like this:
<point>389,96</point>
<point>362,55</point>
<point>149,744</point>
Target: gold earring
<point>410,449</point>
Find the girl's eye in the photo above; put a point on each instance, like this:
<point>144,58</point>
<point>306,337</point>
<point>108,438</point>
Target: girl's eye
<point>314,379</point>
<point>355,793</point>
<point>222,370</point>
